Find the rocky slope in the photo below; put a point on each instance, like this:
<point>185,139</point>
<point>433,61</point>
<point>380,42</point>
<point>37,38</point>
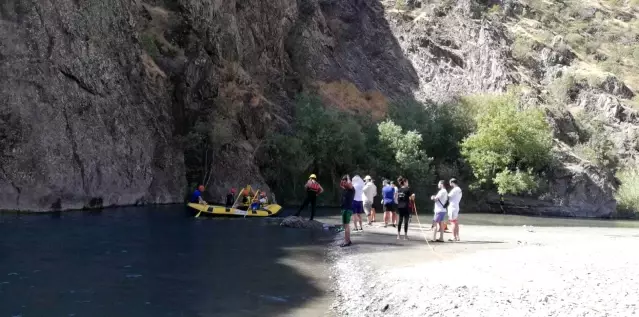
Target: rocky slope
<point>107,103</point>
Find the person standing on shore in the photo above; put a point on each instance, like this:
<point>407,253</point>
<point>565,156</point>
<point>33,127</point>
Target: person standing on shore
<point>348,195</point>
<point>388,197</point>
<point>370,192</point>
<point>404,196</point>
<point>440,210</point>
<point>358,203</point>
<point>395,202</point>
<point>454,197</point>
<point>313,188</point>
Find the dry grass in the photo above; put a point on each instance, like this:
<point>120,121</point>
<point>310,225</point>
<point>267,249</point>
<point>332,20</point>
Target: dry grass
<point>347,97</point>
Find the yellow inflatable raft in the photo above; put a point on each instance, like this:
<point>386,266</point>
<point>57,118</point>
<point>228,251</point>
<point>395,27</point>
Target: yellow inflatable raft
<point>264,211</point>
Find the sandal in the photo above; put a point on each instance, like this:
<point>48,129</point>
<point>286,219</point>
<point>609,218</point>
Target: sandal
<point>346,244</point>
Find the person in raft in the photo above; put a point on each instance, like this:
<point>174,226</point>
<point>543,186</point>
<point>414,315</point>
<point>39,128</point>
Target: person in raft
<point>258,202</point>
<point>230,198</point>
<point>454,197</point>
<point>440,210</point>
<point>313,188</point>
<point>358,203</point>
<point>348,196</point>
<point>196,197</point>
<point>368,197</point>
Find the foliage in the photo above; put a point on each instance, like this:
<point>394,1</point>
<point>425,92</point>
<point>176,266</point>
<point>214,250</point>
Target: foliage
<point>509,182</point>
<point>442,127</point>
<point>331,142</point>
<point>409,155</point>
<point>506,139</point>
<point>326,142</point>
<point>596,147</point>
<point>628,193</point>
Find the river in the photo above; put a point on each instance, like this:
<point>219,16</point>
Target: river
<point>160,261</point>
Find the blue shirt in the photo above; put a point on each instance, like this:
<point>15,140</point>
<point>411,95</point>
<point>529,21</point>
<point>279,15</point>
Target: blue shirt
<point>195,198</point>
<point>388,193</point>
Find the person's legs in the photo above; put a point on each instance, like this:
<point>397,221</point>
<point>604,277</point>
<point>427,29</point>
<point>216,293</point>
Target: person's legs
<point>313,200</point>
<point>304,204</point>
<point>395,216</point>
<point>407,217</point>
<point>439,218</point>
<point>373,214</point>
<point>346,222</point>
<point>399,228</point>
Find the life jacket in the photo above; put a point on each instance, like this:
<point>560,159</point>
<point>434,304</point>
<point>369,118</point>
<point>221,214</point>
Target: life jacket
<point>313,187</point>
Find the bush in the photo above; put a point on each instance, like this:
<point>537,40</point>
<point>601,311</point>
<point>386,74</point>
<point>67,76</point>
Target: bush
<point>509,182</point>
<point>506,140</point>
<point>407,149</point>
<point>628,193</point>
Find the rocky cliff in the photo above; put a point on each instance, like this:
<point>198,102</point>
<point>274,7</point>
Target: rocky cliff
<point>100,99</point>
<point>108,102</point>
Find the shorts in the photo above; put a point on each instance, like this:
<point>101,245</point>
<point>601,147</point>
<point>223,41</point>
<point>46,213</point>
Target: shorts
<point>439,217</point>
<point>403,211</point>
<point>346,216</point>
<point>358,207</point>
<point>368,205</point>
<point>377,204</point>
<point>389,207</point>
<point>453,214</point>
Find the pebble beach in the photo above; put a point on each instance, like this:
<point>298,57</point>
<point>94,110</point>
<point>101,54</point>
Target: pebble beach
<point>493,271</point>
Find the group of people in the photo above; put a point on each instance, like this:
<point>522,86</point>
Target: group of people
<point>249,199</point>
<point>398,201</point>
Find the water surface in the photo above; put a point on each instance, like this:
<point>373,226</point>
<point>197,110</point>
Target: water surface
<point>157,261</point>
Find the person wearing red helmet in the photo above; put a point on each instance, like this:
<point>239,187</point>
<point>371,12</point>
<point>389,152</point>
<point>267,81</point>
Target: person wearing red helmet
<point>230,198</point>
<point>197,195</point>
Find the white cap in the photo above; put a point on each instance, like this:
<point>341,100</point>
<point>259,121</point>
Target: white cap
<point>368,178</point>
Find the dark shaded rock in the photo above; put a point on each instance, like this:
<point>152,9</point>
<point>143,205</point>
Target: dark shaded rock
<point>105,99</point>
<point>299,222</point>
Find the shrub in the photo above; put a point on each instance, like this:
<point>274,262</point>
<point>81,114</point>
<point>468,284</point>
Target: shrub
<point>562,88</point>
<point>628,193</point>
<point>521,48</point>
<point>407,150</point>
<point>148,44</point>
<point>507,139</point>
<point>509,182</point>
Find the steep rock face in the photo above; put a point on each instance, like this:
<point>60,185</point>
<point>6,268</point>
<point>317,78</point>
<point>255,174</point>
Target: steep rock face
<point>103,98</point>
<point>452,52</point>
<point>86,119</point>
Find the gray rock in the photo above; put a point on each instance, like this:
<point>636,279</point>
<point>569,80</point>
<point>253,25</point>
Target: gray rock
<point>299,222</point>
<point>100,97</point>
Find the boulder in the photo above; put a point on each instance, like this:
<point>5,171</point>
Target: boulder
<point>299,222</point>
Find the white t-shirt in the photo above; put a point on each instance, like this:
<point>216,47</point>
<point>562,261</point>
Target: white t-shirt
<point>369,192</point>
<point>455,197</point>
<point>440,200</point>
<point>358,184</point>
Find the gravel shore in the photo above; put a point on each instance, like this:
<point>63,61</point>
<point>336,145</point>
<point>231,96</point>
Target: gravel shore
<point>494,271</point>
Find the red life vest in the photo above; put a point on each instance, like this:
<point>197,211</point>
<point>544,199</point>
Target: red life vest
<point>313,186</point>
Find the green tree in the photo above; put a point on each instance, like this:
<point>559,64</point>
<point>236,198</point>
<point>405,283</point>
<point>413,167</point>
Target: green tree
<point>410,158</point>
<point>507,140</point>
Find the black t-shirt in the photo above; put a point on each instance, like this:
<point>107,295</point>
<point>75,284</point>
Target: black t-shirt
<point>230,199</point>
<point>403,195</point>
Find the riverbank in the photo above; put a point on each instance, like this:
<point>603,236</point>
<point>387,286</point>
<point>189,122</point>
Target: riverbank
<point>494,271</point>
